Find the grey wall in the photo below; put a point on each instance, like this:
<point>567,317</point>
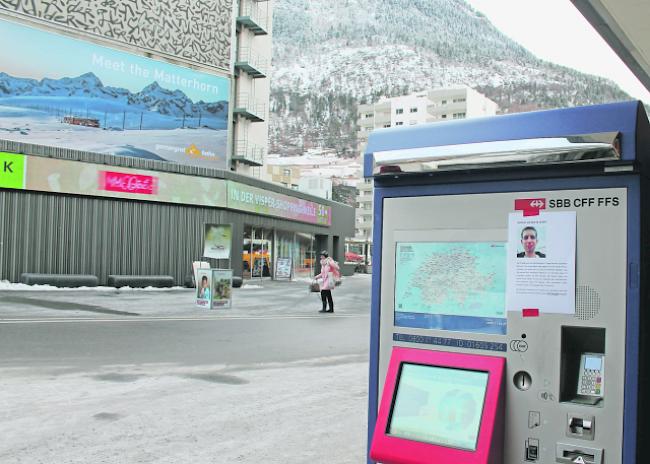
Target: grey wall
<point>151,25</point>
<point>68,234</point>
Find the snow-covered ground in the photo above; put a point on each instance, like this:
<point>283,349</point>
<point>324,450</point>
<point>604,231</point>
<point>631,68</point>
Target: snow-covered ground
<point>177,415</point>
<point>308,411</point>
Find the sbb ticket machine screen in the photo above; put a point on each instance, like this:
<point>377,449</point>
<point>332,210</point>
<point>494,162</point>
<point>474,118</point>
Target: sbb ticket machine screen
<point>439,407</point>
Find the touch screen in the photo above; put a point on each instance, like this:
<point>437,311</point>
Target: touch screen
<point>457,286</point>
<point>437,405</point>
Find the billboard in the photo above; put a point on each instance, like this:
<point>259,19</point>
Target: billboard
<point>74,177</point>
<point>59,91</point>
<point>78,178</point>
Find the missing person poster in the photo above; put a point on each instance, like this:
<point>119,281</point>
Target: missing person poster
<point>217,241</point>
<point>221,288</point>
<point>541,262</point>
<point>204,288</point>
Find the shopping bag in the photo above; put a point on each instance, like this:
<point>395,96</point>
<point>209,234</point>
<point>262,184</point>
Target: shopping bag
<point>314,287</point>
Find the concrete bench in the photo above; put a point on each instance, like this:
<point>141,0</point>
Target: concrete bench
<point>60,280</point>
<point>140,281</point>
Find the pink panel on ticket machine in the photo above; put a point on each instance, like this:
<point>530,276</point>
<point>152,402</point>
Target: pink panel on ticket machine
<point>440,407</point>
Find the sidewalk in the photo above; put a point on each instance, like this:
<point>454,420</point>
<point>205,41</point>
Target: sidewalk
<point>262,298</point>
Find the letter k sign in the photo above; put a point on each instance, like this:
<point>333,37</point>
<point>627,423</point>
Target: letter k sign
<point>12,171</point>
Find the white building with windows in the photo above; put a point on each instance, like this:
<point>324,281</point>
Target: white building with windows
<point>252,63</point>
<point>428,106</point>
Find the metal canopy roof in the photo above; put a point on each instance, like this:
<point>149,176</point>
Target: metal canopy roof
<point>625,26</point>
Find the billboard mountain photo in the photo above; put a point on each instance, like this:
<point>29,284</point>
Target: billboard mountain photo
<point>86,96</point>
<point>75,94</point>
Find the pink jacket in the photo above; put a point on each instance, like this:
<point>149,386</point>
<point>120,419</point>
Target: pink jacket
<point>324,277</point>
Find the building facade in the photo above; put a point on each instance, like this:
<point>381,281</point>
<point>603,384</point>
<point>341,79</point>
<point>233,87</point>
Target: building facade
<point>127,127</point>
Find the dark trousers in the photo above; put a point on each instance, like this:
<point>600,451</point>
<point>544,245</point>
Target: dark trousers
<point>326,295</point>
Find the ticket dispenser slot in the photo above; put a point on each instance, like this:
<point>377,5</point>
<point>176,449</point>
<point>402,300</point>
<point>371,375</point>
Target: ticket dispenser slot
<point>571,454</point>
<point>582,369</point>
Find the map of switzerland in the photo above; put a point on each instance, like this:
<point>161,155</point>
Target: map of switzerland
<point>451,278</point>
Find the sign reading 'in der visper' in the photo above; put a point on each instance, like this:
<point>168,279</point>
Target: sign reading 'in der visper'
<point>55,90</point>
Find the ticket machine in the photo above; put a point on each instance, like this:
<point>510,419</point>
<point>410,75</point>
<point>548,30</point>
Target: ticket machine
<point>509,315</point>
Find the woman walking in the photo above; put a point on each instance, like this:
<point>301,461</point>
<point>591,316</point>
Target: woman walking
<point>329,272</point>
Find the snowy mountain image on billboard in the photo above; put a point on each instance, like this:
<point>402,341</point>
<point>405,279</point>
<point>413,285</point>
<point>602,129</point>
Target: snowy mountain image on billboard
<point>64,92</point>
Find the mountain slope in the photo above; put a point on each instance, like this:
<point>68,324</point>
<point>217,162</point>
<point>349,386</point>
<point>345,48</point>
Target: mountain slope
<point>331,55</point>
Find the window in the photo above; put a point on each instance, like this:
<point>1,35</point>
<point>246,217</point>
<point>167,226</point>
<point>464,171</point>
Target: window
<point>444,102</point>
<point>367,206</point>
<point>286,172</point>
<point>399,123</point>
<point>367,181</point>
<point>459,100</point>
<point>414,110</point>
<point>369,115</point>
<point>444,116</point>
<point>399,111</point>
<point>459,115</point>
<point>386,125</point>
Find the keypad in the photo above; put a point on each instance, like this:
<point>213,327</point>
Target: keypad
<point>591,382</point>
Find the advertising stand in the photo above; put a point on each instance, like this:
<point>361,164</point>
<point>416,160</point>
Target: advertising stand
<point>507,299</point>
<point>214,288</point>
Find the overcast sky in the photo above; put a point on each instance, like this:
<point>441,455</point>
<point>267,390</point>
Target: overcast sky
<point>554,30</point>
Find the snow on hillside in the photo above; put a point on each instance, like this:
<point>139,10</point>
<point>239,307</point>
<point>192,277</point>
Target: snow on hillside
<point>331,55</point>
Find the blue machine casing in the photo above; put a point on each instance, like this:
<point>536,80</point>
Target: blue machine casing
<point>628,118</point>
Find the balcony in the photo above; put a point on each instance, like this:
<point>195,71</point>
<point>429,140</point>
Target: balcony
<point>248,153</point>
<point>254,17</point>
<point>247,107</point>
<point>251,63</point>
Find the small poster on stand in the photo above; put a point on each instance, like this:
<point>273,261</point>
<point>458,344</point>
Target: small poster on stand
<point>283,268</point>
<point>204,287</point>
<point>221,288</point>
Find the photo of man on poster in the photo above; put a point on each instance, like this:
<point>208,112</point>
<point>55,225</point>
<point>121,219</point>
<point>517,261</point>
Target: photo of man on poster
<point>529,242</point>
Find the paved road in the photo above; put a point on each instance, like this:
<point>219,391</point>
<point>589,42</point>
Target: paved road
<point>144,376</point>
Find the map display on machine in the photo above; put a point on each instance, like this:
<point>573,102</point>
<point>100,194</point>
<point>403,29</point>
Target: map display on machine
<point>463,280</point>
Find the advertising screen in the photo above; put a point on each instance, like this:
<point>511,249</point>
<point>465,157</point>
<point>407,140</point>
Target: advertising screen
<point>64,92</point>
<point>438,405</point>
<point>458,286</point>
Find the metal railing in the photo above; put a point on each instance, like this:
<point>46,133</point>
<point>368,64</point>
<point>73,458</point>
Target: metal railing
<point>256,12</point>
<point>247,55</point>
<point>249,152</point>
<point>248,103</point>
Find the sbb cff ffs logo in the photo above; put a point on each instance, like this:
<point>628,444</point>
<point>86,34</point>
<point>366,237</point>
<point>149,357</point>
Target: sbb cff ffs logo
<point>538,204</point>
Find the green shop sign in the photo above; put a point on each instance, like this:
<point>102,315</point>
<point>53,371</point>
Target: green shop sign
<point>256,200</point>
<point>12,171</point>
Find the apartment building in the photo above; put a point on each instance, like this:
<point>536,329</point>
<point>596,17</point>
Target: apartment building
<point>429,106</point>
